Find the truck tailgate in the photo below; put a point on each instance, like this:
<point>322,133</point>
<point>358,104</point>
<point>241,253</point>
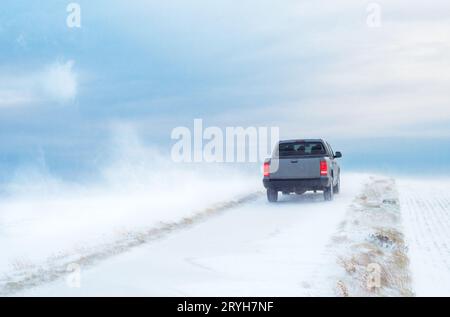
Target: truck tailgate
<point>298,168</point>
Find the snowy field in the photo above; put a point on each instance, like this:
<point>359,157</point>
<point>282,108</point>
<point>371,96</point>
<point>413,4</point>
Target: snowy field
<point>426,218</point>
<point>224,239</point>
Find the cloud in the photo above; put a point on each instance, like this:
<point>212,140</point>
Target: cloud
<point>56,82</point>
<point>305,66</point>
<point>59,82</point>
<point>12,98</point>
<point>357,81</point>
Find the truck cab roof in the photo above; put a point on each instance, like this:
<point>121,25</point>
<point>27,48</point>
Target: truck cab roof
<point>300,140</point>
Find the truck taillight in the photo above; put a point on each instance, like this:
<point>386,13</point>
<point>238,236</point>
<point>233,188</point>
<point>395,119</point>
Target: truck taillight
<point>266,169</point>
<point>323,168</point>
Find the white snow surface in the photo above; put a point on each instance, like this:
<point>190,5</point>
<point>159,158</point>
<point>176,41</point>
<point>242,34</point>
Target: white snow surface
<point>42,218</point>
<point>250,248</point>
<point>256,249</point>
<point>426,217</point>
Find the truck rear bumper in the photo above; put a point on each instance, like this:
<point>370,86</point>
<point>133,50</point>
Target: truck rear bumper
<point>297,185</point>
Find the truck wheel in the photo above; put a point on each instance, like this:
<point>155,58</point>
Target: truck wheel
<point>272,195</point>
<point>337,187</point>
<point>328,193</point>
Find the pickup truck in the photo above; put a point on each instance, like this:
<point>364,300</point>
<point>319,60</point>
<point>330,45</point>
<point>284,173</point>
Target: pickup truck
<point>297,166</point>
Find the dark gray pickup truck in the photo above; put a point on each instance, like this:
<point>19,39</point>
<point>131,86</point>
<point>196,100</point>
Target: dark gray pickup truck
<point>297,166</point>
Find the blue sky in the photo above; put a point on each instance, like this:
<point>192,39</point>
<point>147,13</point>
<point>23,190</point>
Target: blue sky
<point>313,68</point>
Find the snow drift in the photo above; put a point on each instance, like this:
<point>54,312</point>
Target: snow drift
<point>43,219</point>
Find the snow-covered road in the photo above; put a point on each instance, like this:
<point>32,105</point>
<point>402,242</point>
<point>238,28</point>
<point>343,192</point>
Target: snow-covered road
<point>257,249</point>
<point>301,246</point>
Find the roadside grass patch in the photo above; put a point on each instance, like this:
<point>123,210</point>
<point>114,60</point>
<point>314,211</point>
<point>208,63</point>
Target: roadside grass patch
<point>370,247</point>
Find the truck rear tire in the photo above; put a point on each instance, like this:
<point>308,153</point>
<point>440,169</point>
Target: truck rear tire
<point>272,195</point>
<point>328,193</point>
<point>337,187</point>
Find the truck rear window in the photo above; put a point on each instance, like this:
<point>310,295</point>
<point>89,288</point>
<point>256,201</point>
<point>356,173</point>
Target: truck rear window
<point>299,148</point>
